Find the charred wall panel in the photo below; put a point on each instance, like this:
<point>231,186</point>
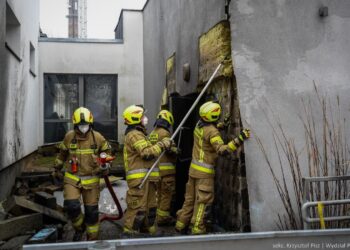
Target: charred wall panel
<point>230,182</point>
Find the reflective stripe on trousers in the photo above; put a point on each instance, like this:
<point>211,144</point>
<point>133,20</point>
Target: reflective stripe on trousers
<point>84,180</point>
<point>90,229</point>
<point>141,173</point>
<point>163,213</point>
<point>203,167</point>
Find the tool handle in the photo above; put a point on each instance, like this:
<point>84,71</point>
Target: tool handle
<point>182,122</point>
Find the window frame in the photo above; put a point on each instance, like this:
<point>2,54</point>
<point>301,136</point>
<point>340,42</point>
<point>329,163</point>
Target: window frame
<point>81,96</point>
<point>12,37</point>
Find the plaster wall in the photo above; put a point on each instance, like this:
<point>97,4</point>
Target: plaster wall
<point>121,57</point>
<point>174,26</point>
<point>279,48</point>
<point>18,90</point>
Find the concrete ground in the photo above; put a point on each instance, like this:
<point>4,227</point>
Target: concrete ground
<point>109,230</point>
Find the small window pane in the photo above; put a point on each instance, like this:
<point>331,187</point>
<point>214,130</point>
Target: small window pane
<point>61,96</point>
<point>13,32</point>
<point>100,96</point>
<point>107,129</point>
<point>55,131</point>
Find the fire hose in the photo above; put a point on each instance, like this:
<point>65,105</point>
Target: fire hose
<point>110,217</point>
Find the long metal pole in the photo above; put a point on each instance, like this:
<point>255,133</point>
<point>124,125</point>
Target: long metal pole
<point>182,122</point>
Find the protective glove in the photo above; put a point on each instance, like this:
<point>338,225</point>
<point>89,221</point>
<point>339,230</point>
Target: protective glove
<point>245,134</point>
<point>57,174</point>
<point>166,143</point>
<point>104,169</point>
<point>235,143</point>
<point>224,124</point>
<point>223,151</point>
<point>220,125</point>
<point>174,150</point>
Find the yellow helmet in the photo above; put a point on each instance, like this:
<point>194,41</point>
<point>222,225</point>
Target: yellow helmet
<point>210,111</point>
<point>132,115</point>
<point>82,116</point>
<point>166,115</point>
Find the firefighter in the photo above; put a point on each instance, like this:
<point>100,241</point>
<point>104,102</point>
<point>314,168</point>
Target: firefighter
<point>166,191</point>
<point>139,155</point>
<point>81,148</point>
<point>207,145</point>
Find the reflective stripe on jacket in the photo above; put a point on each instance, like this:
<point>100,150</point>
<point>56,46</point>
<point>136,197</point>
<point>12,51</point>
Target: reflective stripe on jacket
<point>85,150</point>
<point>207,144</point>
<point>139,156</point>
<point>167,162</point>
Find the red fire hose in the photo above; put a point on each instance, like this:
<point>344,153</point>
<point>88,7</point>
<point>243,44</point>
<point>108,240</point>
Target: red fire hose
<point>111,217</point>
<point>116,201</point>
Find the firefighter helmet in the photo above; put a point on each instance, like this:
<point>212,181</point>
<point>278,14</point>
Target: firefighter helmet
<point>166,115</point>
<point>82,116</point>
<point>132,115</point>
<point>210,111</point>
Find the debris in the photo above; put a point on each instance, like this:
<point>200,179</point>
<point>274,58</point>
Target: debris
<point>45,235</point>
<point>15,243</point>
<point>35,176</point>
<point>6,206</point>
<point>19,225</point>
<point>22,187</point>
<point>50,149</point>
<point>45,199</point>
<point>23,202</point>
<point>52,188</point>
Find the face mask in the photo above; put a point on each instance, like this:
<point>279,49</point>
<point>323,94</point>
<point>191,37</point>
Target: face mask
<point>144,121</point>
<point>84,128</point>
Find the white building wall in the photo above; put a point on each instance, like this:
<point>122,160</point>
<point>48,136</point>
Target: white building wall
<point>18,94</point>
<point>99,57</point>
<point>18,90</point>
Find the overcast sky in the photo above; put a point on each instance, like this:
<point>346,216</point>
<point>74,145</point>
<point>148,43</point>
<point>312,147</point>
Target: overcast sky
<point>102,16</point>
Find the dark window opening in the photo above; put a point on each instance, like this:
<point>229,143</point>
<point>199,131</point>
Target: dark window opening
<point>32,68</point>
<point>13,33</point>
<point>66,92</point>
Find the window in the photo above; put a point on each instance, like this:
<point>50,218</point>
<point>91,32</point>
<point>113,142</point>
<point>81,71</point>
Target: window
<point>32,59</point>
<point>13,33</point>
<point>66,92</point>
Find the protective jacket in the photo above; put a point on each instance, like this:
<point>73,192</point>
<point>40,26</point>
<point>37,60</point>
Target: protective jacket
<point>138,156</point>
<point>167,162</point>
<point>207,145</point>
<point>86,150</point>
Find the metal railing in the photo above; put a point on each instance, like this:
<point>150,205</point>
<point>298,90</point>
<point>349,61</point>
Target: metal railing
<point>307,203</point>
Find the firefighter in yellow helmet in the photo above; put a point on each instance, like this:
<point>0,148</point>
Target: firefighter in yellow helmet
<point>139,155</point>
<point>166,191</point>
<point>207,145</point>
<point>80,150</point>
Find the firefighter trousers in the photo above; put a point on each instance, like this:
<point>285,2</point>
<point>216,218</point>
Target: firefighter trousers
<point>196,210</point>
<point>90,196</point>
<point>141,208</point>
<point>166,193</point>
